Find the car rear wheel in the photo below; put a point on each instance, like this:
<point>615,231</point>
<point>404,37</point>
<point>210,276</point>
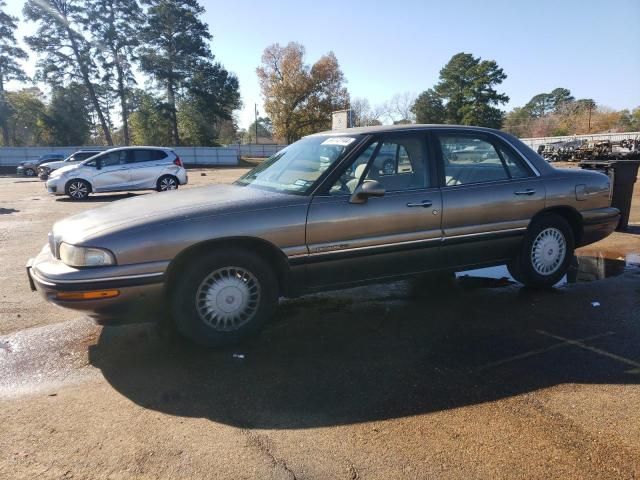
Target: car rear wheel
<point>167,182</point>
<point>223,297</point>
<point>545,254</point>
<point>77,189</point>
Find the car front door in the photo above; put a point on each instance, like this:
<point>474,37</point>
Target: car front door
<point>394,234</point>
<point>489,194</point>
<point>111,172</point>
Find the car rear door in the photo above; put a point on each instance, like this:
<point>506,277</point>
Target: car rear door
<point>396,234</point>
<point>147,165</point>
<point>114,172</point>
<point>489,195</point>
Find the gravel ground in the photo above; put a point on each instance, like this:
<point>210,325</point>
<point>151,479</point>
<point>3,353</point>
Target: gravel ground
<point>480,378</point>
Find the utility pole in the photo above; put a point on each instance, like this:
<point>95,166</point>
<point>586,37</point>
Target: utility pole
<point>589,128</point>
<point>256,122</point>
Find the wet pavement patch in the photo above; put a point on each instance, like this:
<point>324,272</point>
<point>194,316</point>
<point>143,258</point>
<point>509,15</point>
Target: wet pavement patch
<point>582,269</point>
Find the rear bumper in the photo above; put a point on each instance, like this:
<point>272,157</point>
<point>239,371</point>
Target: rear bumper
<point>598,224</point>
<point>133,290</point>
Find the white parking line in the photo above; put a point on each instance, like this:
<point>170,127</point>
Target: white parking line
<point>599,351</point>
<point>532,353</point>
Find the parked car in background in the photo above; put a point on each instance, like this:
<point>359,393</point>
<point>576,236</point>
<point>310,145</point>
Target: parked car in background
<point>30,167</point>
<point>307,220</point>
<point>120,169</point>
<point>45,169</point>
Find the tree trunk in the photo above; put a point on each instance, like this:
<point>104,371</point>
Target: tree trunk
<point>123,102</point>
<point>84,71</point>
<point>3,120</point>
<point>171,100</point>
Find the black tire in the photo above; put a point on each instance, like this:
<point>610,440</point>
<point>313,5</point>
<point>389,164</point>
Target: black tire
<point>166,183</point>
<point>77,189</point>
<point>544,268</point>
<point>29,172</point>
<point>220,267</point>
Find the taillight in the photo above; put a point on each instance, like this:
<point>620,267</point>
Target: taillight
<point>177,161</point>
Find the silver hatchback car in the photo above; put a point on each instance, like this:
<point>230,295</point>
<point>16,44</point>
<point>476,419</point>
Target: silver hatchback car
<point>325,213</point>
<point>120,169</point>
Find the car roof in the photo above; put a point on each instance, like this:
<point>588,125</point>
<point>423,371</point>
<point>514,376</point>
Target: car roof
<point>163,149</point>
<point>401,128</point>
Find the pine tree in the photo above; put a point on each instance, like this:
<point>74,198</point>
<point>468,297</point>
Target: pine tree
<point>174,42</point>
<point>66,50</point>
<point>114,25</point>
<point>10,69</point>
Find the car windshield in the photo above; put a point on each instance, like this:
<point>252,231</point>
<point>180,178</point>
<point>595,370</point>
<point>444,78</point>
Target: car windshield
<point>295,168</point>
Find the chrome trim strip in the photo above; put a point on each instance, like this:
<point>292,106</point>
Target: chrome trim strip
<point>466,235</point>
<point>409,242</point>
<point>88,280</point>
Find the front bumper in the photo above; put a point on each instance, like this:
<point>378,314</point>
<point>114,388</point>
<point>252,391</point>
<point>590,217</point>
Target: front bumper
<point>135,284</point>
<point>54,186</point>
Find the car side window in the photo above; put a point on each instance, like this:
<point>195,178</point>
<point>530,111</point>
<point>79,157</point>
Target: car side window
<point>147,155</point>
<point>349,180</point>
<point>398,163</point>
<point>470,159</point>
<point>515,165</point>
<point>114,158</point>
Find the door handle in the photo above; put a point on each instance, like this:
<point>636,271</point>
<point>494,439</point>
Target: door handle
<point>423,204</point>
<point>528,191</point>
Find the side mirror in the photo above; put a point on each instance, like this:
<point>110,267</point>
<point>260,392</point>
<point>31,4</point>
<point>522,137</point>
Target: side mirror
<point>369,188</point>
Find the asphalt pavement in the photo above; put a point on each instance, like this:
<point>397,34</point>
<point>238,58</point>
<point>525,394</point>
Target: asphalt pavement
<point>473,377</point>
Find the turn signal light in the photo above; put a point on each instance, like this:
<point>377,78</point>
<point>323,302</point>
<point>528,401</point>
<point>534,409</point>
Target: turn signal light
<point>94,295</point>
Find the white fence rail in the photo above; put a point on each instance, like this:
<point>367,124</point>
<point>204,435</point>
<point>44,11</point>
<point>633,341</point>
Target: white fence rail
<point>229,155</point>
<point>593,137</point>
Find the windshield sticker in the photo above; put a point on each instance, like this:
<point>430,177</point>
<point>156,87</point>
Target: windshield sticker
<point>341,141</point>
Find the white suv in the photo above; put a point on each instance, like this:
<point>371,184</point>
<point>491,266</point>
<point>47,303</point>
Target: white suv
<point>120,169</point>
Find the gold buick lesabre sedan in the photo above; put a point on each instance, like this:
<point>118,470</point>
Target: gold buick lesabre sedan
<point>333,210</point>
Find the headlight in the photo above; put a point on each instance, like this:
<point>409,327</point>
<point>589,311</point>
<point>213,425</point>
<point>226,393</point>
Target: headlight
<point>85,256</point>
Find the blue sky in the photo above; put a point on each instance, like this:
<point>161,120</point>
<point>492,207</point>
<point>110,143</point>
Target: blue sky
<point>384,48</point>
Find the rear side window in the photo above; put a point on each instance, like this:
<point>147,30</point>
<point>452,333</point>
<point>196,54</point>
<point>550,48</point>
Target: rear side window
<point>148,155</point>
<point>515,165</point>
<point>470,159</point>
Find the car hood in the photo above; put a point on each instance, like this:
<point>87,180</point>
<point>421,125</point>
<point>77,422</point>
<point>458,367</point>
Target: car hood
<point>55,164</point>
<point>168,207</point>
<point>66,168</point>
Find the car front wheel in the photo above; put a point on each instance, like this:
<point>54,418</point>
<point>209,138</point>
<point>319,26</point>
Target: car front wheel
<point>223,297</point>
<point>77,189</point>
<point>29,172</point>
<point>545,253</point>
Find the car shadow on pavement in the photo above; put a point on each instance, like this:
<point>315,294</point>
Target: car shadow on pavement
<point>100,198</point>
<point>384,351</point>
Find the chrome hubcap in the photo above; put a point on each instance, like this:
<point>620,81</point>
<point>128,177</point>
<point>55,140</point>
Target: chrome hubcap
<point>228,298</point>
<point>168,184</point>
<point>548,251</point>
<point>29,172</point>
<point>78,190</point>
